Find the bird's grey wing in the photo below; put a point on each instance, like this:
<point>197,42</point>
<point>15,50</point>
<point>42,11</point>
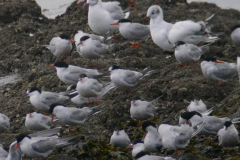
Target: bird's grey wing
<point>139,30</point>
<point>53,45</point>
<point>45,145</point>
<point>150,109</point>
<point>225,73</point>
<point>78,115</point>
<point>131,78</point>
<point>96,86</point>
<point>194,52</point>
<point>213,125</point>
<point>114,9</point>
<point>46,121</point>
<point>49,98</point>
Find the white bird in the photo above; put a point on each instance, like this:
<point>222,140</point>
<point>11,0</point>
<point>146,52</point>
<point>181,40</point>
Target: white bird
<point>78,99</point>
<point>61,45</point>
<point>92,49</point>
<point>41,147</point>
<point>228,135</point>
<point>127,78</point>
<point>12,155</point>
<point>37,121</point>
<point>213,123</point>
<point>235,35</point>
<point>133,31</point>
<point>159,28</point>
<point>119,138</point>
<point>189,53</point>
<point>218,70</point>
<point>71,115</point>
<point>4,124</point>
<point>137,146</point>
<point>43,99</point>
<point>143,110</point>
<point>69,74</point>
<point>197,105</point>
<point>145,156</point>
<point>152,140</point>
<point>101,15</point>
<point>191,32</point>
<point>176,137</point>
<point>89,87</point>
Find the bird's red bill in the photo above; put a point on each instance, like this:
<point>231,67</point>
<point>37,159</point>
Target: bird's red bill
<point>16,147</point>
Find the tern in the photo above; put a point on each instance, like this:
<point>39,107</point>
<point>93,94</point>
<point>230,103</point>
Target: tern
<point>4,124</point>
<point>137,146</point>
<point>37,121</point>
<point>235,35</point>
<point>197,105</point>
<point>120,138</point>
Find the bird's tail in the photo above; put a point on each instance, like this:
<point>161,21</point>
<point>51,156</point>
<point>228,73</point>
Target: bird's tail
<point>234,118</point>
<point>200,127</point>
<point>106,89</point>
<point>96,109</point>
<point>47,46</point>
<point>207,112</point>
<point>146,72</point>
<point>47,133</point>
<point>155,100</point>
<point>65,141</point>
<point>205,48</point>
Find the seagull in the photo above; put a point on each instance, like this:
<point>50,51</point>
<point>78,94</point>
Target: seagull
<point>145,156</point>
<point>143,110</point>
<point>43,99</point>
<point>175,137</point>
<point>189,53</point>
<point>235,35</point>
<point>89,87</point>
<point>92,49</point>
<point>218,70</point>
<point>69,74</point>
<point>71,115</point>
<point>133,31</point>
<point>41,147</point>
<point>101,15</point>
<point>127,78</point>
<point>61,45</point>
<point>137,146</point>
<point>152,140</point>
<point>119,138</point>
<point>197,105</point>
<point>4,124</point>
<point>159,28</point>
<point>12,155</point>
<point>191,32</point>
<point>37,121</point>
<point>228,135</point>
<point>213,123</point>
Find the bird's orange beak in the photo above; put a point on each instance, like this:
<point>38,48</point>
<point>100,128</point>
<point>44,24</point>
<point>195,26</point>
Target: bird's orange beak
<point>51,65</point>
<point>145,18</point>
<point>117,132</point>
<point>80,79</point>
<point>133,102</point>
<point>115,24</point>
<point>16,147</point>
<point>52,117</point>
<point>24,95</point>
<point>129,147</point>
<point>79,43</point>
<point>72,41</point>
<point>219,62</point>
<point>86,5</point>
<point>187,122</point>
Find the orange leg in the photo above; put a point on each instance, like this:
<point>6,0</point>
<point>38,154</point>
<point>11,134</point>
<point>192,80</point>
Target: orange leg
<point>135,7</point>
<point>3,135</point>
<point>90,65</point>
<point>67,58</point>
<point>69,128</point>
<point>216,83</point>
<point>46,113</point>
<point>88,101</point>
<point>74,129</point>
<point>60,58</point>
<point>129,3</point>
<point>221,83</point>
<point>97,63</point>
<point>176,152</point>
<point>137,45</point>
<point>95,100</point>
<point>133,46</point>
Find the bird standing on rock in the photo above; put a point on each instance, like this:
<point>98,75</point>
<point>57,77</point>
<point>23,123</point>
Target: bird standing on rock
<point>119,138</point>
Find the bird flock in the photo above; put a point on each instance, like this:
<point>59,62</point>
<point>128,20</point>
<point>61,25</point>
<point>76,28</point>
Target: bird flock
<point>188,40</point>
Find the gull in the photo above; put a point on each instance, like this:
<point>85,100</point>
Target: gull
<point>71,115</point>
<point>228,135</point>
<point>119,138</point>
<point>197,105</point>
<point>152,140</point>
<point>218,70</point>
<point>159,28</point>
<point>69,74</point>
<point>4,124</point>
<point>235,35</point>
<point>133,31</point>
<point>137,146</point>
<point>61,45</point>
<point>12,155</point>
<point>37,121</point>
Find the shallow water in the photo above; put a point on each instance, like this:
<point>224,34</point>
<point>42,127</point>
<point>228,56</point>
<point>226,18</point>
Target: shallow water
<point>9,79</point>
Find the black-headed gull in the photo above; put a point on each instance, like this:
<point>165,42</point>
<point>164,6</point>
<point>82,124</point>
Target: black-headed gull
<point>71,115</point>
<point>159,28</point>
<point>92,49</point>
<point>197,105</point>
<point>41,147</point>
<point>120,138</point>
<point>11,155</point>
<point>235,35</point>
<point>4,124</point>
<point>143,110</point>
<point>137,146</point>
<point>37,121</point>
<point>61,45</point>
<point>43,99</point>
<point>218,70</point>
<point>228,135</point>
<point>145,156</point>
<point>69,74</point>
<point>133,31</point>
<point>152,140</point>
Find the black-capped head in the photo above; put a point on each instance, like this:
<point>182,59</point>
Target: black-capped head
<point>179,43</point>
<point>32,89</point>
<point>52,106</point>
<point>210,59</point>
<point>61,64</point>
<point>64,36</point>
<point>227,124</point>
<point>82,75</point>
<point>145,124</point>
<point>84,38</point>
<point>235,27</point>
<point>114,67</point>
<point>21,136</point>
<point>124,21</point>
<point>197,98</point>
<point>140,154</point>
<point>189,115</point>
<point>137,141</point>
<point>118,128</point>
